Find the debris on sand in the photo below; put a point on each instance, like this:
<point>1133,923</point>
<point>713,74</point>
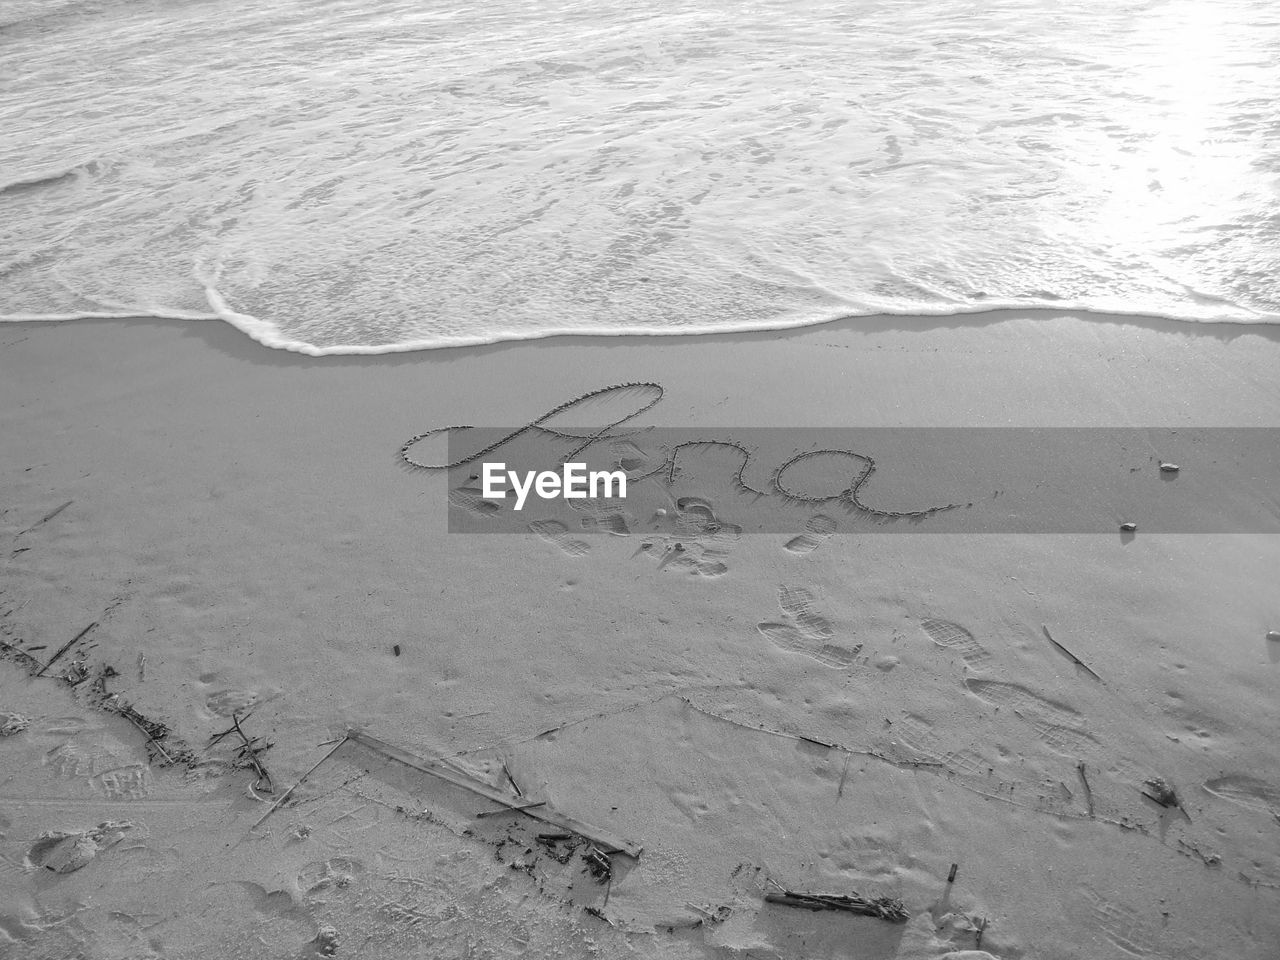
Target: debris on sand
<point>884,908</point>
<point>11,723</point>
<point>326,942</point>
<point>1169,468</point>
<point>247,754</point>
<point>599,864</point>
<point>1069,655</point>
<point>1129,527</point>
<point>63,852</point>
<point>1159,791</point>
<point>603,839</point>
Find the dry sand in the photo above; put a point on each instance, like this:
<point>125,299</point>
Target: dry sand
<point>824,713</point>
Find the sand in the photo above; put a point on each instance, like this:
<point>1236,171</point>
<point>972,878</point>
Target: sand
<point>822,709</point>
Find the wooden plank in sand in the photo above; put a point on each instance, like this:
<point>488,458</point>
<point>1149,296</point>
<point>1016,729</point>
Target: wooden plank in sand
<point>601,838</point>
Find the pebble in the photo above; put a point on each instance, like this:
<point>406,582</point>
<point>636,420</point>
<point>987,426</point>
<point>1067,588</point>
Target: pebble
<point>1128,527</point>
<point>1169,467</point>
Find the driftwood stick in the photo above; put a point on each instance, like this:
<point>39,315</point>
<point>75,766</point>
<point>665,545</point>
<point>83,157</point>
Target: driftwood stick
<point>609,842</point>
<point>885,908</point>
<point>1069,655</point>
<point>288,793</point>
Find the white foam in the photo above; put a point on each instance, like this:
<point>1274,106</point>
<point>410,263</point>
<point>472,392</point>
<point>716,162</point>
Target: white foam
<point>377,180</point>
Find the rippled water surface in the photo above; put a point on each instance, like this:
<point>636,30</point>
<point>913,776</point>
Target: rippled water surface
<point>337,176</point>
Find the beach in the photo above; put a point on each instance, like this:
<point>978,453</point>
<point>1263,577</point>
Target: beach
<point>824,710</point>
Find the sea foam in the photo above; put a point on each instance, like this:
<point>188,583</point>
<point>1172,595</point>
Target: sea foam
<point>361,178</point>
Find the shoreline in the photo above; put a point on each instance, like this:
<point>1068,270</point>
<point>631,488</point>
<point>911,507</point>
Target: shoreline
<point>871,322</point>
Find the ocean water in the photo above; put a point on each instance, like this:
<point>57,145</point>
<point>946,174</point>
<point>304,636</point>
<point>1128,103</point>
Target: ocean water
<point>361,176</point>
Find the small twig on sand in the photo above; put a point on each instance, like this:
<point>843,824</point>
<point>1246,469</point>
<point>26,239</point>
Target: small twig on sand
<point>514,809</point>
<point>843,774</point>
<point>151,739</point>
<point>45,519</point>
<point>1069,655</point>
<point>288,793</point>
<point>820,743</point>
<point>982,928</point>
<point>1088,793</point>
<point>250,753</point>
<point>65,647</point>
<point>30,662</point>
<point>512,780</point>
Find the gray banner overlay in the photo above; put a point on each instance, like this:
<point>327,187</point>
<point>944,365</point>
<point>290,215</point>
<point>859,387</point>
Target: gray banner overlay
<point>730,482</point>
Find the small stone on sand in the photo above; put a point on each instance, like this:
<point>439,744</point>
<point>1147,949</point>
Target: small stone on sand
<point>1169,467</point>
<point>1128,527</point>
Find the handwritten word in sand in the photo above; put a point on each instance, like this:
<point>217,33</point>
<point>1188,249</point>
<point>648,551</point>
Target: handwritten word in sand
<point>648,395</point>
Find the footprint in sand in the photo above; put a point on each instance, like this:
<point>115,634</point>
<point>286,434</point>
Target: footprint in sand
<point>229,703</point>
<point>1057,725</point>
<point>685,557</point>
<point>123,783</point>
<point>1020,700</point>
<point>797,603</point>
<point>337,874</point>
<point>952,636</point>
<point>614,522</point>
<point>553,531</point>
<point>1247,791</point>
<point>816,532</point>
<point>73,759</point>
<point>700,542</point>
<point>1122,926</point>
<point>627,456</point>
<point>472,500</point>
<point>807,633</point>
<point>1064,740</point>
<point>602,517</point>
<point>916,734</point>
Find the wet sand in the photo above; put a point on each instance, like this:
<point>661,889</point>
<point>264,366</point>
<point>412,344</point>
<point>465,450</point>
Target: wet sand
<point>820,709</point>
